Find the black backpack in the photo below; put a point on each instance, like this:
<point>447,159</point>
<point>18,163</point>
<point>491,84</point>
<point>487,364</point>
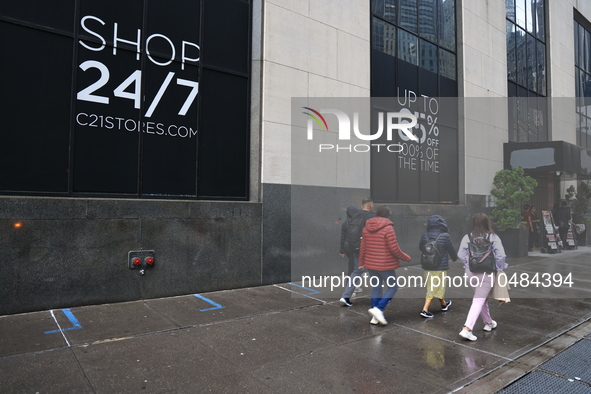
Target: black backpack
<point>481,257</point>
<point>430,256</point>
<point>353,232</point>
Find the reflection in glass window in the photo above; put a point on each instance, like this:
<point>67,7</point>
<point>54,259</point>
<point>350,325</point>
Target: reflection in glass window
<point>385,9</point>
<point>428,56</point>
<point>577,62</point>
<point>539,21</point>
<point>447,24</point>
<point>447,64</point>
<point>428,19</point>
<point>510,9</point>
<point>511,66</point>
<point>541,68</point>
<point>587,52</point>
<point>383,36</point>
<point>408,47</point>
<point>521,57</point>
<point>408,15</point>
<point>532,84</point>
<point>581,54</point>
<point>520,13</point>
<point>530,15</point>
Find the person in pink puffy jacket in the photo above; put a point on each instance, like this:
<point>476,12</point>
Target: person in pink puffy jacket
<point>381,255</point>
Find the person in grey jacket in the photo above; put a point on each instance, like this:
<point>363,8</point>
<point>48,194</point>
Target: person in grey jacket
<point>435,276</point>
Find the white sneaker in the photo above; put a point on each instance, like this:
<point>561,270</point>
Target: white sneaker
<point>378,315</point>
<point>491,326</point>
<point>468,335</point>
<point>373,321</point>
<point>358,290</point>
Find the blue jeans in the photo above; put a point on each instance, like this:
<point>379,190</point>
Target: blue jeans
<point>354,258</point>
<point>377,300</point>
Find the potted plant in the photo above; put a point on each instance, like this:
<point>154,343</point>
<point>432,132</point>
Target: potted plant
<point>578,200</point>
<point>511,189</point>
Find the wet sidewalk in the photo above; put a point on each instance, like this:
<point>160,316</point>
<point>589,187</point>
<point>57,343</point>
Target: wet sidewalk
<point>289,338</point>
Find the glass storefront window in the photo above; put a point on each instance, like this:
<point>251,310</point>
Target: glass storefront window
<point>408,47</point>
<point>428,56</point>
<point>531,63</point>
<point>407,16</point>
<point>520,13</point>
<point>383,37</point>
<point>511,65</point>
<point>582,44</point>
<point>541,68</point>
<point>539,21</point>
<point>510,9</point>
<point>428,19</point>
<point>385,9</point>
<point>447,24</point>
<point>447,64</point>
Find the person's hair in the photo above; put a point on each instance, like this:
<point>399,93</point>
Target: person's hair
<point>526,207</point>
<point>366,201</point>
<point>563,203</point>
<point>481,225</point>
<point>383,212</point>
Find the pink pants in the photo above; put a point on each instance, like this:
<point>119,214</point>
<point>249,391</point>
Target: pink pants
<point>482,288</point>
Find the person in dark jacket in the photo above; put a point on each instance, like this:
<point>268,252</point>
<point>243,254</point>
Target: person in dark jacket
<point>435,276</point>
<point>381,255</point>
<point>351,248</point>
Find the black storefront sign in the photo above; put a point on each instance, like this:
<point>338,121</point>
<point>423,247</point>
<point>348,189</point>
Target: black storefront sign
<point>138,98</point>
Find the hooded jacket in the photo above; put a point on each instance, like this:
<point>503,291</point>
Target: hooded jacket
<point>435,226</point>
<point>379,247</point>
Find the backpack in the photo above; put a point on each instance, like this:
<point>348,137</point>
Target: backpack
<point>481,257</point>
<point>430,256</point>
<point>353,232</point>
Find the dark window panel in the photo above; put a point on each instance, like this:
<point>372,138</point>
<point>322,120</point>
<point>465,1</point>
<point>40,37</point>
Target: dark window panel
<point>408,47</point>
<point>512,114</point>
<point>428,19</point>
<point>383,36</point>
<point>53,14</point>
<point>35,110</point>
<point>385,9</point>
<point>407,15</point>
<point>428,56</point>
<point>447,64</point>
<point>447,24</point>
<point>511,65</point>
<point>223,136</point>
<point>383,74</point>
<point>226,39</point>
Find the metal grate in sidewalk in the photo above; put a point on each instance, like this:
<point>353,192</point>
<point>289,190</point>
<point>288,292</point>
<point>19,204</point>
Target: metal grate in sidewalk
<point>574,362</point>
<point>543,382</point>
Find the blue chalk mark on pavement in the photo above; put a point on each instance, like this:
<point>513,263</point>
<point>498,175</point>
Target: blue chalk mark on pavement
<point>312,291</point>
<point>215,304</point>
<point>75,324</point>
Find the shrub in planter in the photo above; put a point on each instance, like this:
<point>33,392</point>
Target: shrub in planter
<point>511,189</point>
<point>579,202</point>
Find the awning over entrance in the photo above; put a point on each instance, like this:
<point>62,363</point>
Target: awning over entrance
<point>548,156</point>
